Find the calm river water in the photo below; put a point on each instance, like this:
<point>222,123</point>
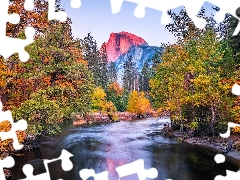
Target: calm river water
<point>104,147</point>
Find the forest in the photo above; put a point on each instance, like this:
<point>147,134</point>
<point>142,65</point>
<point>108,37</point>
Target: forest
<point>190,81</point>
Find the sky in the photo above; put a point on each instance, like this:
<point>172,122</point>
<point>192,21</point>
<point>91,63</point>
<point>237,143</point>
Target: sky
<point>95,16</point>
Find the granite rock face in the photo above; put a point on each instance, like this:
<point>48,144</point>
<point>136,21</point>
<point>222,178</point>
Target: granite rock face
<point>119,43</point>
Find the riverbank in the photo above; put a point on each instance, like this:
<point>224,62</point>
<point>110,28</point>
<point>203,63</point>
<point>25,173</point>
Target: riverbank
<point>216,144</point>
<point>98,117</point>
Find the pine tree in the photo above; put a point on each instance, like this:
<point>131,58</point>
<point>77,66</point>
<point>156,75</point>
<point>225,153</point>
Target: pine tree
<point>130,76</point>
<point>144,78</point>
<point>112,73</point>
<point>97,60</point>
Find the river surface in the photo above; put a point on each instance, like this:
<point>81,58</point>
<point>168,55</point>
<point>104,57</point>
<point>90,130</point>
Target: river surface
<point>103,147</point>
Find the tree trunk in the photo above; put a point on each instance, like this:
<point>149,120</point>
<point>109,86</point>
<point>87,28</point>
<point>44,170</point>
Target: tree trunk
<point>213,119</point>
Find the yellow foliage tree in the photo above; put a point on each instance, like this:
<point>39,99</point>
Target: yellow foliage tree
<point>138,103</point>
<point>99,102</point>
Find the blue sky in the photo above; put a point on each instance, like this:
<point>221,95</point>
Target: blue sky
<point>95,16</point>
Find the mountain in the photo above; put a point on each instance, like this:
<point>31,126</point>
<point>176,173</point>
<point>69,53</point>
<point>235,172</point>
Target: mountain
<point>140,54</point>
<point>119,43</point>
<point>122,45</point>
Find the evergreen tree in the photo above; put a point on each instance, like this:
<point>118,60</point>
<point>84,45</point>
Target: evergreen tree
<point>97,60</point>
<point>130,76</point>
<point>144,78</point>
<point>112,73</point>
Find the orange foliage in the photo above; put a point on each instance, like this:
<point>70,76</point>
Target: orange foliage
<point>6,145</point>
<point>138,103</point>
<point>117,88</point>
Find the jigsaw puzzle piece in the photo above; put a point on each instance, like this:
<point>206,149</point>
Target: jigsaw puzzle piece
<point>76,3</point>
<point>13,45</point>
<point>28,171</point>
<point>29,5</point>
<point>236,89</point>
<point>192,8</point>
<point>230,175</point>
<point>116,5</point>
<point>230,125</point>
<point>230,7</point>
<point>8,162</point>
<point>137,167</point>
<point>67,165</point>
<point>8,45</point>
<point>5,17</point>
<point>87,173</point>
<point>18,126</point>
<point>52,14</point>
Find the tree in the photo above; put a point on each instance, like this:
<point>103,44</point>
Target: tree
<point>138,104</point>
<point>115,94</point>
<point>99,102</point>
<point>59,74</point>
<point>144,78</point>
<point>130,76</point>
<point>112,73</point>
<point>97,60</point>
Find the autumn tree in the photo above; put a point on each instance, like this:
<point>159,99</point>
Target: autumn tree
<point>101,104</point>
<point>138,104</point>
<point>60,75</point>
<point>194,74</point>
<point>115,94</point>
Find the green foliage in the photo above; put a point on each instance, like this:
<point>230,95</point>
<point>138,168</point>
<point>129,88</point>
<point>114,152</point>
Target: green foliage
<point>99,103</point>
<point>96,60</point>
<point>194,125</point>
<point>138,103</point>
<point>193,79</point>
<point>55,82</point>
<point>41,114</point>
<point>118,96</point>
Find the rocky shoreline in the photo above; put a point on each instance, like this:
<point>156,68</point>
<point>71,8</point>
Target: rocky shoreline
<point>217,144</point>
<point>103,117</point>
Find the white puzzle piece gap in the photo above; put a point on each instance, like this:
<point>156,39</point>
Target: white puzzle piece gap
<point>66,164</point>
<point>219,158</point>
<point>230,125</point>
<point>18,126</point>
<point>29,5</point>
<point>75,4</point>
<point>8,45</point>
<point>236,89</point>
<point>137,167</point>
<point>53,15</point>
<point>8,162</point>
<point>192,8</point>
<point>87,173</point>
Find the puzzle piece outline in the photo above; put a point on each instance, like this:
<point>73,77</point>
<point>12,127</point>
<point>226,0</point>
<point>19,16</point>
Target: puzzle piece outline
<point>20,125</point>
<point>15,45</point>
<point>66,164</point>
<point>192,8</point>
<point>7,162</point>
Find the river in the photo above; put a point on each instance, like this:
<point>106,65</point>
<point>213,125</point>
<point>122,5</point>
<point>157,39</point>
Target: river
<point>103,147</point>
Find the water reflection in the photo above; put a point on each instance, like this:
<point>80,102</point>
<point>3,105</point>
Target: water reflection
<point>107,146</point>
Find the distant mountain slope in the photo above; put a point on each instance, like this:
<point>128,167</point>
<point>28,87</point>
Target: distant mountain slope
<point>122,45</point>
<point>140,54</point>
<point>119,44</point>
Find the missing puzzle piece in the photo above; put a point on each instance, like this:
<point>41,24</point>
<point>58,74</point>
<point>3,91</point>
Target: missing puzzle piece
<point>192,8</point>
<point>137,167</point>
<point>18,126</point>
<point>66,164</point>
<point>8,162</point>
